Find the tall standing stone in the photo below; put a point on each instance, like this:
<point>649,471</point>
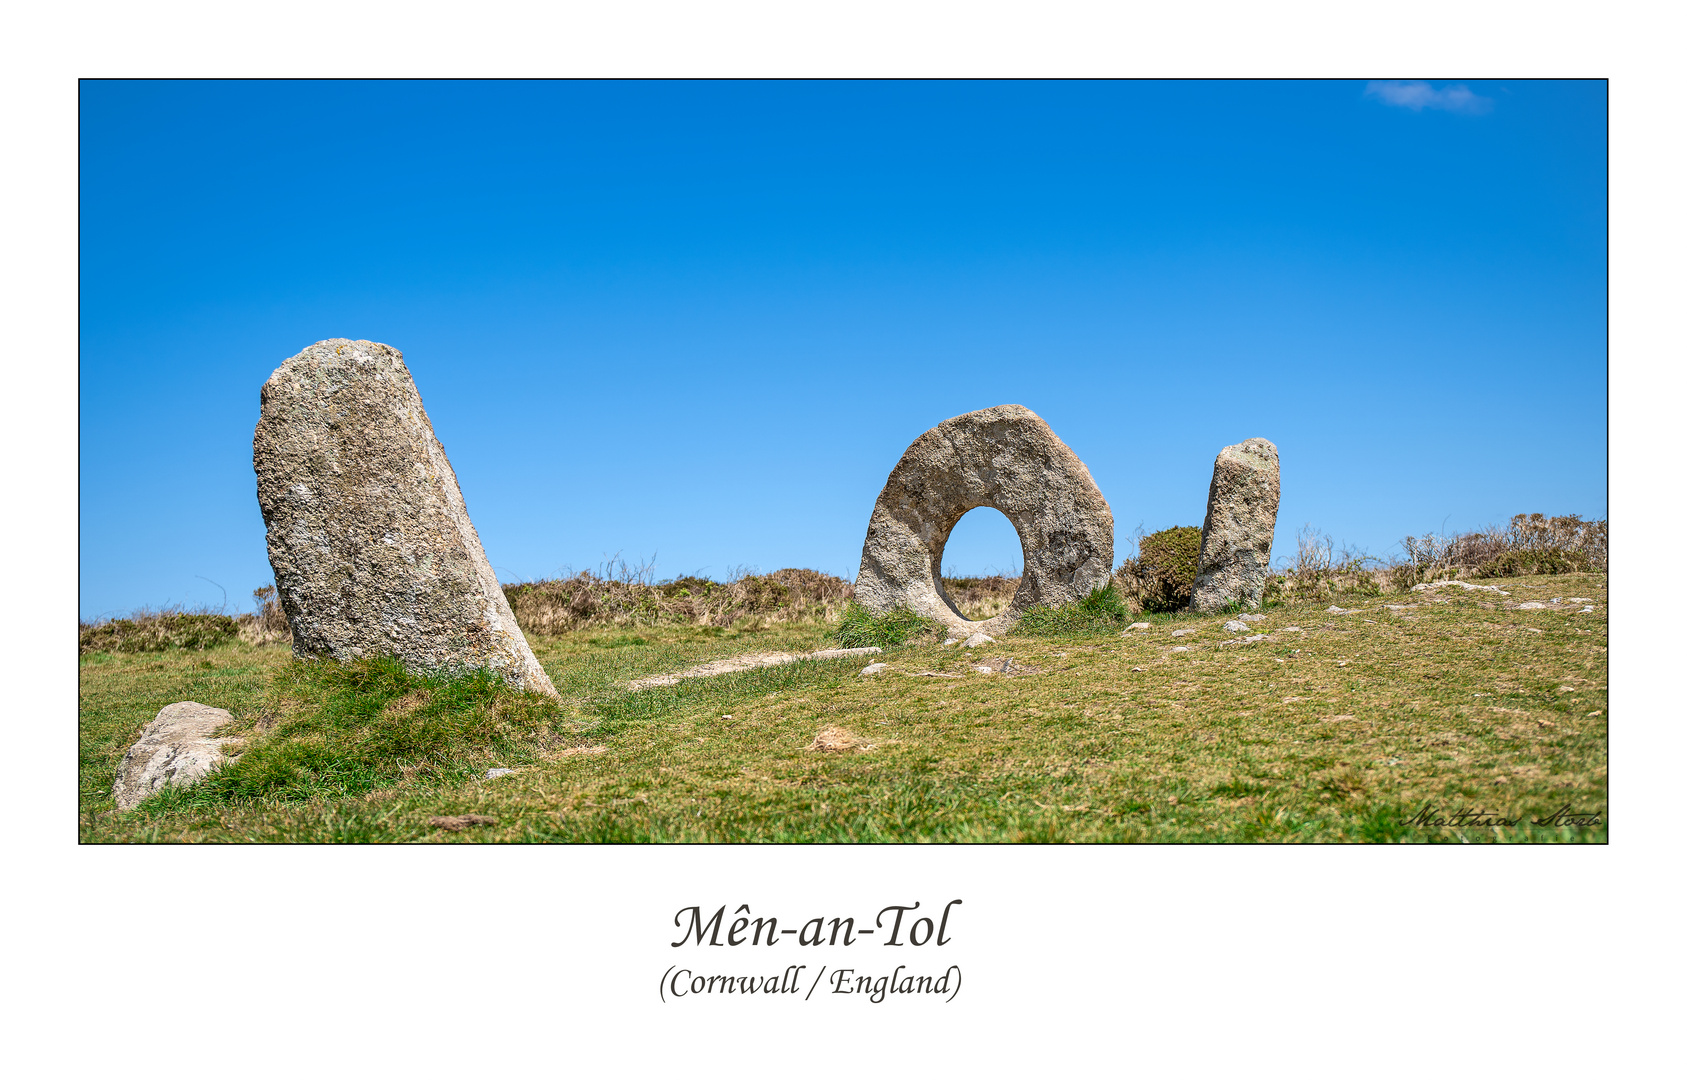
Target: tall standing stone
<point>1241,520</point>
<point>371,543</point>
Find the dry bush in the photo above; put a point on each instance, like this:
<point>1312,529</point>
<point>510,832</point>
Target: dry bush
<point>155,631</point>
<point>1319,571</point>
<point>982,597</point>
<point>1530,544</point>
<point>268,625</point>
<point>621,595</point>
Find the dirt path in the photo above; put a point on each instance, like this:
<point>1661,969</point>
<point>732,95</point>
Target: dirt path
<point>745,663</point>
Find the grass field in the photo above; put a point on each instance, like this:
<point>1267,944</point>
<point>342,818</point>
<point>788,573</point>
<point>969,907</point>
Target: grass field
<point>1344,731</point>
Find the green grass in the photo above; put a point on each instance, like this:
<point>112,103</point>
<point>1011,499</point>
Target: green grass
<point>1101,611</point>
<point>1339,733</point>
<point>860,628</point>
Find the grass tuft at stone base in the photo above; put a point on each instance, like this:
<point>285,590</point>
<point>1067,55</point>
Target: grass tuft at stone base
<point>1103,610</point>
<point>860,628</point>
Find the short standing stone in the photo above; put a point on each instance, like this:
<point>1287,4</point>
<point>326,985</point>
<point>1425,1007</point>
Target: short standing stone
<point>175,750</point>
<point>1007,458</point>
<point>370,541</point>
<point>978,639</point>
<point>1241,521</point>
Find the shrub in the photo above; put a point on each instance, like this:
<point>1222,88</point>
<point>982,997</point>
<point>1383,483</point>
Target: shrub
<point>1101,611</point>
<point>861,628</point>
<point>1550,560</point>
<point>1530,544</point>
<point>1164,568</point>
<point>626,596</point>
<point>980,598</point>
<point>155,632</point>
<point>267,625</point>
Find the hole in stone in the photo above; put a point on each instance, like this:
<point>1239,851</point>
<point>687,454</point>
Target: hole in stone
<point>982,560</point>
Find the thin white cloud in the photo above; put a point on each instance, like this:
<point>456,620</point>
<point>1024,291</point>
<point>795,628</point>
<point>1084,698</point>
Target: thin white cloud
<point>1418,96</point>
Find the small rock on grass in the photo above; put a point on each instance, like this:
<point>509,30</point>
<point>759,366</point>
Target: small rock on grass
<point>1185,630</point>
<point>978,639</point>
<point>831,739</point>
<point>1252,617</point>
<point>1580,599</point>
<point>175,750</point>
<point>1139,626</point>
<point>493,774</point>
<point>873,669</point>
<point>1291,630</point>
<point>1532,605</point>
<point>459,822</point>
<point>1180,648</point>
<point>1585,611</point>
<point>1236,626</point>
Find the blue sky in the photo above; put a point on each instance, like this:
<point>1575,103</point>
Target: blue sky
<point>701,321</point>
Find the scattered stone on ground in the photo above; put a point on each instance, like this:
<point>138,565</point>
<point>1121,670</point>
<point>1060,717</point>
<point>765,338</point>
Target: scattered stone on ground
<point>873,669</point>
<point>176,749</point>
<point>1138,669</point>
<point>1241,520</point>
<point>1252,617</point>
<point>1291,630</point>
<point>746,662</point>
<point>984,669</point>
<point>1532,630</point>
<point>1252,638</point>
<point>459,822</point>
<point>1006,458</point>
<point>493,774</point>
<point>1180,648</point>
<point>832,739</point>
<point>1465,585</point>
<point>1008,666</point>
<point>1236,626</point>
<point>1585,611</point>
<point>978,639</point>
<point>368,534</point>
<point>1185,630</point>
<point>1532,605</point>
<point>1333,610</point>
<point>1581,599</point>
<point>1139,626</point>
